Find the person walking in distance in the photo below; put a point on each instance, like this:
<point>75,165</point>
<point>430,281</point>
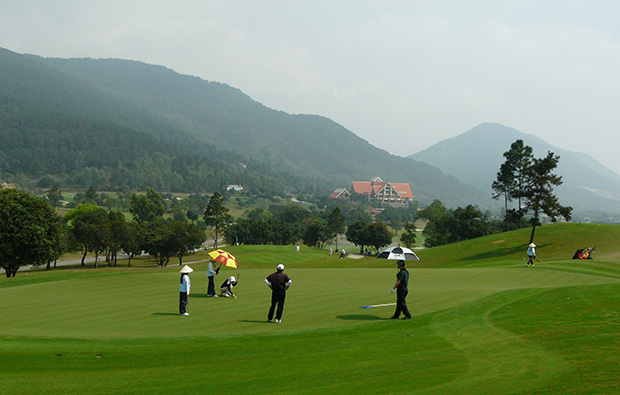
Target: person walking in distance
<point>402,280</point>
<point>184,289</point>
<point>531,254</point>
<point>279,282</point>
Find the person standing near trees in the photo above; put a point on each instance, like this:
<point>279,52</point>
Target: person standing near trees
<point>184,289</point>
<point>402,280</point>
<point>279,282</point>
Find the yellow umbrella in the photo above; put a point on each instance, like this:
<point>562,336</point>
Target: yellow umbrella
<point>224,258</point>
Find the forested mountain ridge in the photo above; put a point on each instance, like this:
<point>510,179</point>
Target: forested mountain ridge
<point>474,157</point>
<point>184,119</point>
<point>56,129</point>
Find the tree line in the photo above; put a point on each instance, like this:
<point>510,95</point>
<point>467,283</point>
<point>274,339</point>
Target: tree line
<point>31,233</point>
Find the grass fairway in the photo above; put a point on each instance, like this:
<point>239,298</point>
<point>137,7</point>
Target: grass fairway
<point>483,323</point>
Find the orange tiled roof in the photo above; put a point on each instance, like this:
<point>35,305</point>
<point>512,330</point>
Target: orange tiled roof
<point>404,190</point>
<point>361,187</point>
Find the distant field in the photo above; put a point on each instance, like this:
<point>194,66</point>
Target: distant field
<point>483,323</point>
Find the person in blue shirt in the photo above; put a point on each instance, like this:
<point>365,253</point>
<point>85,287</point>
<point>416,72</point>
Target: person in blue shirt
<point>184,289</point>
<point>212,271</point>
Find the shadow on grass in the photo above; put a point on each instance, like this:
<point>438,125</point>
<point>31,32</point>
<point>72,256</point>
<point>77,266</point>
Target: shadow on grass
<point>359,317</point>
<point>256,321</point>
<point>165,313</point>
<point>203,296</point>
<point>499,253</point>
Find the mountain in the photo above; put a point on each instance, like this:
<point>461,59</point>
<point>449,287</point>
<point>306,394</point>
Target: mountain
<point>120,123</point>
<point>475,156</point>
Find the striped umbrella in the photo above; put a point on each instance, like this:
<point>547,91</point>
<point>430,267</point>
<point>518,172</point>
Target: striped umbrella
<point>399,254</point>
<point>225,258</point>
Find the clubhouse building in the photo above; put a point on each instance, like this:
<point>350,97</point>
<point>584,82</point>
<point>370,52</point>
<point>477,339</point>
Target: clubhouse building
<point>377,190</point>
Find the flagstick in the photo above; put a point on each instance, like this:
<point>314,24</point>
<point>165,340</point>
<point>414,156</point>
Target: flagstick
<point>378,305</point>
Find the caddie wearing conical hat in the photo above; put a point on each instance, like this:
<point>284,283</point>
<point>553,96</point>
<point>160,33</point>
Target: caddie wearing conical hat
<point>184,289</point>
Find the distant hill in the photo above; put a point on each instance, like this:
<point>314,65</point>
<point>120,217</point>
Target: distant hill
<point>475,156</point>
<point>107,104</point>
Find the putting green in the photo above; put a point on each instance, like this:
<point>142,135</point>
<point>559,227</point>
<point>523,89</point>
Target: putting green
<point>144,304</point>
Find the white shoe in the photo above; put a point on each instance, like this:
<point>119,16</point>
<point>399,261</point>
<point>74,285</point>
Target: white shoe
<point>215,296</point>
<point>278,321</point>
<point>186,313</point>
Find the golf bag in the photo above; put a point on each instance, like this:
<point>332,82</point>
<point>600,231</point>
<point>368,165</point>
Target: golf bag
<point>583,253</point>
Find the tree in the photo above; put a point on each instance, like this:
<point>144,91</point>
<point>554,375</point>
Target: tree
<point>392,216</point>
<point>538,191</point>
<point>115,231</point>
<point>131,241</point>
<point>88,225</point>
<point>356,233</point>
<point>28,231</point>
<point>510,180</point>
<point>409,235</point>
<point>317,234</point>
<point>60,242</point>
<point>378,235</point>
<point>90,197</point>
<point>186,238</point>
<point>216,215</point>
<point>435,209</point>
<point>161,245</point>
<point>335,223</point>
<point>456,225</point>
<point>503,186</point>
<point>437,230</point>
<point>469,223</point>
<point>54,196</point>
<point>146,208</point>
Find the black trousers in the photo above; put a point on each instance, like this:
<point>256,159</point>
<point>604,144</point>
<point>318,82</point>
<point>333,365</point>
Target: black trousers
<point>277,298</point>
<point>211,288</point>
<point>401,303</point>
<point>182,302</point>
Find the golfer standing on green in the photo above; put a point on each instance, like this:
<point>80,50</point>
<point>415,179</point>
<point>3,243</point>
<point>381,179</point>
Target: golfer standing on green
<point>402,280</point>
<point>184,289</point>
<point>279,283</point>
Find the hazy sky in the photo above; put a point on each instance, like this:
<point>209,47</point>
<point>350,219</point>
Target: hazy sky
<point>401,74</point>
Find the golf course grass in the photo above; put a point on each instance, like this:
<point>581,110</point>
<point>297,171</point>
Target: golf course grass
<point>482,323</point>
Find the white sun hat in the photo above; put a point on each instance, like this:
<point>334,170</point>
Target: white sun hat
<point>186,269</point>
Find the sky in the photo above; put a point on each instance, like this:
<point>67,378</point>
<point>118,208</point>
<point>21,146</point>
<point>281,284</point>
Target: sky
<point>401,74</point>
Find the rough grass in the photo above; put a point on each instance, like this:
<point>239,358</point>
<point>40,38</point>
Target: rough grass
<point>483,323</point>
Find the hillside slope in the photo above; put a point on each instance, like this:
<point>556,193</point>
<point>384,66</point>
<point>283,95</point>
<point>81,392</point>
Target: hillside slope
<point>56,129</point>
<point>556,243</point>
<point>305,145</point>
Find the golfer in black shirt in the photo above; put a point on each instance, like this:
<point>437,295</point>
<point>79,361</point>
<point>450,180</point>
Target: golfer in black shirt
<point>402,280</point>
<point>279,283</point>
